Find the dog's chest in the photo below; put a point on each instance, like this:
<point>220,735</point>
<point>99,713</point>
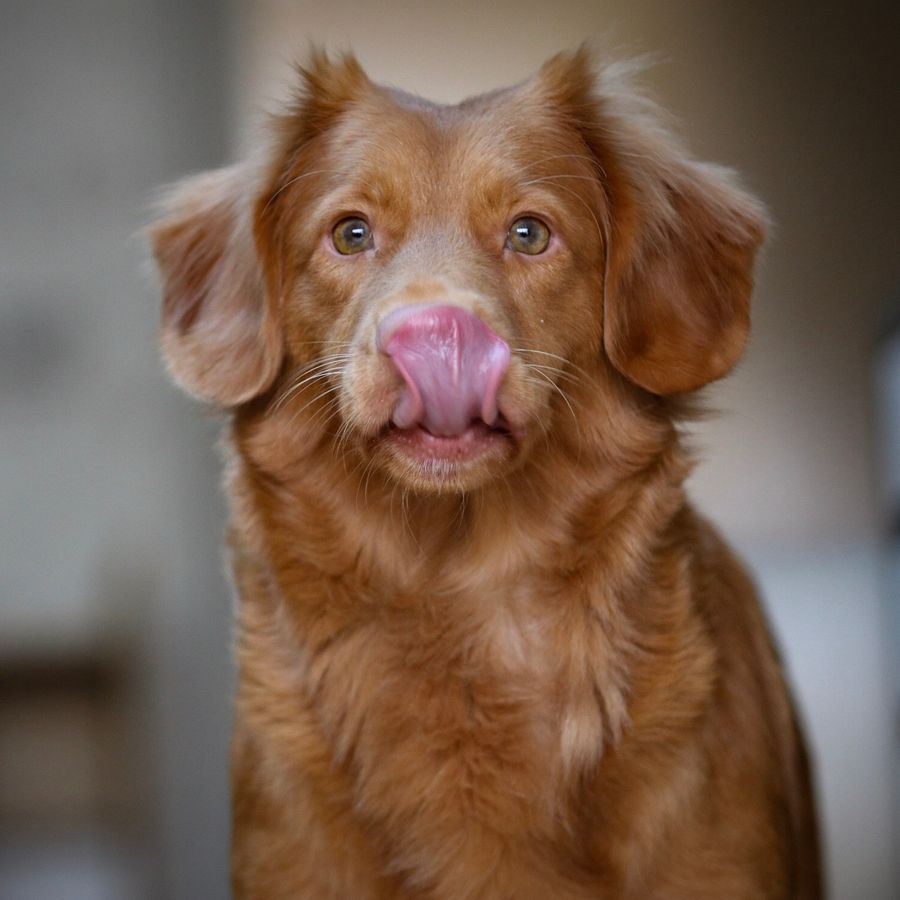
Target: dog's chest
<point>459,732</point>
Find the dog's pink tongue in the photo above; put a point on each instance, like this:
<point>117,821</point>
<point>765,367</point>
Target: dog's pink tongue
<point>451,364</point>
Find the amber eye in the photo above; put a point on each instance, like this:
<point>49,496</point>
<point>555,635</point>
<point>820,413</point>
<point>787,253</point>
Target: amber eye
<point>528,235</point>
<point>351,235</point>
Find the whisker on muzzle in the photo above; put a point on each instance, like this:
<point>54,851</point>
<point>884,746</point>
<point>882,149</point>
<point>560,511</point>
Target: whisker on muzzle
<point>566,363</point>
<point>565,398</point>
<point>321,369</point>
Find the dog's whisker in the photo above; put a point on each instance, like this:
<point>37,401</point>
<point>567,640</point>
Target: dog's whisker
<point>404,506</point>
<point>329,410</point>
<point>293,392</point>
<point>394,489</point>
<point>559,373</point>
<point>591,160</point>
<point>369,470</point>
<point>359,472</point>
<point>547,178</point>
<point>318,398</point>
<point>321,375</point>
<point>460,518</point>
<point>565,399</point>
<point>294,180</point>
<point>566,362</point>
<point>331,359</point>
<point>342,437</point>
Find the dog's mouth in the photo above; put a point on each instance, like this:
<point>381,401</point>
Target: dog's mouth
<point>478,440</point>
<point>448,366</point>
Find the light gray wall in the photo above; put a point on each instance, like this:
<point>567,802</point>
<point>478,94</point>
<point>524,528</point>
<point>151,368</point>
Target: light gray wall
<point>108,481</point>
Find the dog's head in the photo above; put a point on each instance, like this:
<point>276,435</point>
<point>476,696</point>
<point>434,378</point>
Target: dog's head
<point>438,290</point>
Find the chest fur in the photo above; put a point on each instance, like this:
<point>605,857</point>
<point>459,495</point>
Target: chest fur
<point>455,724</point>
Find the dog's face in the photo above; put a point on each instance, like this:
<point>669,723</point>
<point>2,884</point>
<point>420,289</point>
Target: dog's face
<point>445,261</point>
<point>429,288</point>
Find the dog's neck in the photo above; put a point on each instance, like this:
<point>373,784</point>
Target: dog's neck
<point>356,526</point>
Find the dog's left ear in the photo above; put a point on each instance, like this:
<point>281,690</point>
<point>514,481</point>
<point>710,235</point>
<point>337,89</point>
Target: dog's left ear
<point>681,237</point>
<point>679,278</point>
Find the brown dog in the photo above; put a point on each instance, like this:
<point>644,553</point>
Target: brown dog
<point>487,649</point>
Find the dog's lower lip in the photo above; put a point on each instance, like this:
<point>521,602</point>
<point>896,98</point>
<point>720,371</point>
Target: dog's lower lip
<point>420,443</point>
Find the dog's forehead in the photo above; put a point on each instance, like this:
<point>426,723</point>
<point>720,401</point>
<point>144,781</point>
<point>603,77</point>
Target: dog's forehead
<point>405,145</point>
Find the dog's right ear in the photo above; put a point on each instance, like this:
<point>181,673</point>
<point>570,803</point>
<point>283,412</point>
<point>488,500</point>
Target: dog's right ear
<point>220,335</point>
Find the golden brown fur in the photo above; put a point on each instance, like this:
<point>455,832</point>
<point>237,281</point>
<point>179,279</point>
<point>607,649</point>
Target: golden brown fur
<point>541,674</point>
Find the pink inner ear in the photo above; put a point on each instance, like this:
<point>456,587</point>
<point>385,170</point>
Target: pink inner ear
<point>451,364</point>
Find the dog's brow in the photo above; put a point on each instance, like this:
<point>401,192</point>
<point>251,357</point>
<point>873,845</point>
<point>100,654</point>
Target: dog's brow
<point>292,181</point>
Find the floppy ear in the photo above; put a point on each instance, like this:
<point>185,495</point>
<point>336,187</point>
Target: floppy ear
<point>220,336</point>
<point>681,236</point>
<point>679,276</point>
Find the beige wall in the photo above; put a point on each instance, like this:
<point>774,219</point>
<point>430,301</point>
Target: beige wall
<point>794,97</point>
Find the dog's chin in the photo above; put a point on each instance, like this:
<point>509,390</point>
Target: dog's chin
<point>434,463</point>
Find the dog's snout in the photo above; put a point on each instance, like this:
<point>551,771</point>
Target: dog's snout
<point>451,364</point>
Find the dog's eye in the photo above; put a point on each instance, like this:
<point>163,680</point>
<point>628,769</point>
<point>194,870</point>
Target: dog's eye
<point>352,235</point>
<point>528,235</point>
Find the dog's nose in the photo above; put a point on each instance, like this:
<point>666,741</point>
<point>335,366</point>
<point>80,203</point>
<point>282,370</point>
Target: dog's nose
<point>451,364</point>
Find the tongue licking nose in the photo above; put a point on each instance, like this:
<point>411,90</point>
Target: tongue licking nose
<point>451,364</point>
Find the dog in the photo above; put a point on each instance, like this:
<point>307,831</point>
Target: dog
<point>486,646</point>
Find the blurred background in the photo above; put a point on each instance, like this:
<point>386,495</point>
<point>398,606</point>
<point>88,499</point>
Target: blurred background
<point>115,616</point>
